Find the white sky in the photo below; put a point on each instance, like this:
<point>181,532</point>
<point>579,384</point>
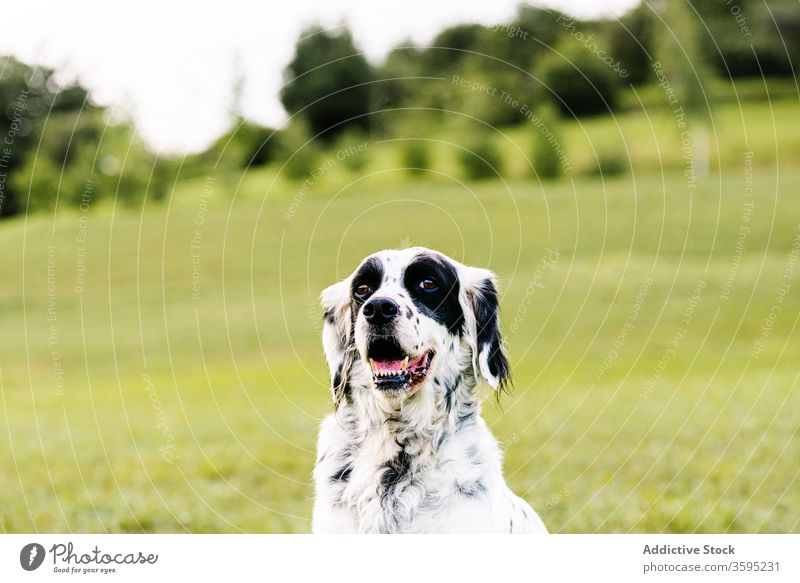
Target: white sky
<point>171,64</point>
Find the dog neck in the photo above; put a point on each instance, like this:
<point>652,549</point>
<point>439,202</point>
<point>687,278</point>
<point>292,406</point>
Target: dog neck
<point>442,407</point>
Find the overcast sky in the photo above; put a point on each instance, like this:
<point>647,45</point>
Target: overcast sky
<point>171,64</point>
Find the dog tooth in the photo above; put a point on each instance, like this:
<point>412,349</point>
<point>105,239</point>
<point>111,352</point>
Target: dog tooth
<point>405,364</point>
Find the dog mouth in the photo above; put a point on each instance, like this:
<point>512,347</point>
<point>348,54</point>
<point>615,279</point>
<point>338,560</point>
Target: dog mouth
<point>395,370</point>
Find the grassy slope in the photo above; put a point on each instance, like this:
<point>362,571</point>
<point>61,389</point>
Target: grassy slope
<point>241,384</point>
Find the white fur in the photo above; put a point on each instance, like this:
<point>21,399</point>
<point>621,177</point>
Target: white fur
<point>419,463</point>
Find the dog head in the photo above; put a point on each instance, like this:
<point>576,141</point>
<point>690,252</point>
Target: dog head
<point>409,321</point>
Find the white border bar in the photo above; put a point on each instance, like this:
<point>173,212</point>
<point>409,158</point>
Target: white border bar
<point>384,559</point>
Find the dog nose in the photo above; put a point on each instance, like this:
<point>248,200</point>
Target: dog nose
<point>381,310</point>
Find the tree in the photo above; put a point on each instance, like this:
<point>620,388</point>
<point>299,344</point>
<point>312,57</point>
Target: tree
<point>751,37</point>
<point>245,145</point>
<point>28,97</point>
<point>450,47</point>
<point>686,67</point>
<point>24,98</point>
<point>579,82</point>
<point>77,151</point>
<point>631,42</point>
<point>328,83</point>
<point>400,77</point>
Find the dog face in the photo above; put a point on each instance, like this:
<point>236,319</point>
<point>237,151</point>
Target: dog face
<point>405,318</point>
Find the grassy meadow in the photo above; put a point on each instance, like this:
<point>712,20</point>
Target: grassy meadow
<point>161,368</point>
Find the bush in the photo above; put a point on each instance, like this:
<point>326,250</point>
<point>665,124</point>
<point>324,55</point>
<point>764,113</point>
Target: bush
<point>119,168</point>
<point>546,163</point>
<point>609,163</point>
<point>416,156</point>
<point>299,153</point>
<point>545,157</point>
<point>481,159</point>
<point>579,82</point>
<point>244,145</point>
<point>37,184</point>
<point>301,163</point>
<point>352,150</point>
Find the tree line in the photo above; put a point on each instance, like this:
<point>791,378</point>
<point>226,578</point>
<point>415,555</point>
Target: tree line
<point>56,144</point>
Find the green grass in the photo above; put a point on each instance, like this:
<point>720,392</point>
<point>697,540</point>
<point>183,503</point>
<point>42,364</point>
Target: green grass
<point>240,380</point>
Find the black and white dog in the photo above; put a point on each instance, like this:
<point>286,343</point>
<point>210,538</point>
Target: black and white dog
<point>407,337</point>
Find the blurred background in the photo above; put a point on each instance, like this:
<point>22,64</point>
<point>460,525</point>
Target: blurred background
<point>179,182</point>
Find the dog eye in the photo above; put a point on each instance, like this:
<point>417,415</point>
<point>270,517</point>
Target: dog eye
<point>363,290</point>
<point>428,284</point>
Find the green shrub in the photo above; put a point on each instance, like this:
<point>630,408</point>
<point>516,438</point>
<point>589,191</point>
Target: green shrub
<point>416,156</point>
<point>301,163</point>
<point>579,82</point>
<point>546,154</point>
<point>37,183</point>
<point>297,153</point>
<point>120,168</point>
<point>352,150</point>
<point>481,159</point>
<point>243,146</point>
<point>544,159</point>
<point>609,163</point>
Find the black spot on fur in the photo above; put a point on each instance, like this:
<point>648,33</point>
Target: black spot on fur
<point>485,305</point>
<point>470,489</point>
<point>466,413</point>
<point>450,393</point>
<point>440,304</point>
<point>340,386</point>
<point>337,378</point>
<point>369,273</point>
<point>342,475</point>
<point>409,313</point>
<point>440,440</point>
<point>396,470</point>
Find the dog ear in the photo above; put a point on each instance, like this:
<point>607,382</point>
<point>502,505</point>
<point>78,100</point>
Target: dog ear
<point>483,328</point>
<point>337,337</point>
